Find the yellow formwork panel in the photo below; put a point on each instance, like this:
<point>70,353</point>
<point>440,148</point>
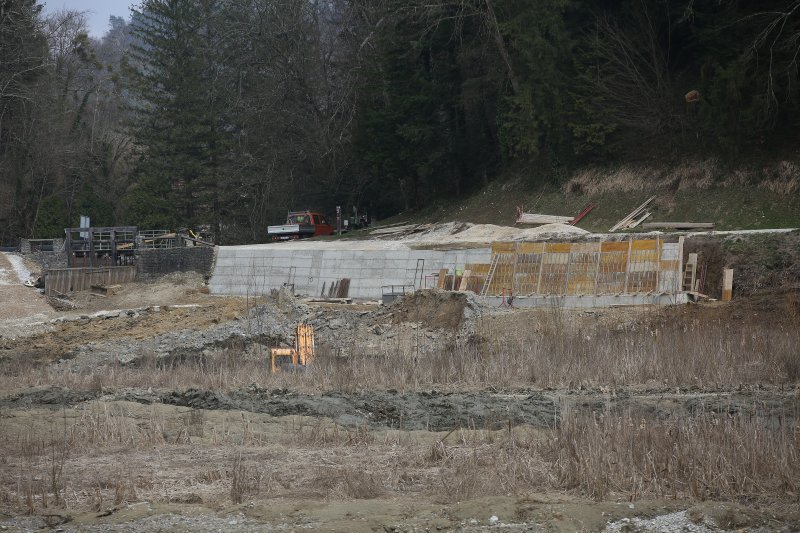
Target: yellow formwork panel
<point>503,247</point>
<point>613,261</point>
<point>530,247</point>
<point>621,246</point>
<point>582,272</point>
<point>558,247</point>
<point>477,268</point>
<point>503,273</point>
<point>647,244</point>
<point>577,268</point>
<point>585,247</point>
<point>559,258</point>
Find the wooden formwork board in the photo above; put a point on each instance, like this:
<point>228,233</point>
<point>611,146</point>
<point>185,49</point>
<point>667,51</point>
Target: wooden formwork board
<point>633,266</point>
<point>64,280</point>
<point>727,284</point>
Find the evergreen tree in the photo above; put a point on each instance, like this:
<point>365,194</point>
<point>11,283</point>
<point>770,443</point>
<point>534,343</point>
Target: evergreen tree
<point>179,126</point>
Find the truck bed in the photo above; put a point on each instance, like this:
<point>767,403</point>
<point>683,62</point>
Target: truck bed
<point>290,231</point>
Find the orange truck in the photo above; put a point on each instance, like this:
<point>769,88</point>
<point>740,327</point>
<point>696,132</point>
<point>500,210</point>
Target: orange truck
<point>300,225</point>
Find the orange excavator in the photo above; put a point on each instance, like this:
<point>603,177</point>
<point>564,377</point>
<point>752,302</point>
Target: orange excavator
<point>298,357</point>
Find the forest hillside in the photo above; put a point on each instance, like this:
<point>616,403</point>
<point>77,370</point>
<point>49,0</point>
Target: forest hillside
<point>223,114</point>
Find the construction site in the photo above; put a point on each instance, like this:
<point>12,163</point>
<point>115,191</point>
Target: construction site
<point>410,377</point>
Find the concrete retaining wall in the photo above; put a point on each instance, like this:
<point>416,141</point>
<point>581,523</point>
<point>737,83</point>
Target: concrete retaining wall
<point>589,300</point>
<point>158,262</point>
<point>255,270</point>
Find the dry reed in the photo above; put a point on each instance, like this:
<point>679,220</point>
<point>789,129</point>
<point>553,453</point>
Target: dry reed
<point>718,353</point>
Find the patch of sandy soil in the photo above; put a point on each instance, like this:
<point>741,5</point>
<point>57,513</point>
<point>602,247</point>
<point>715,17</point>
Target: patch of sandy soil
<point>60,338</point>
<point>16,300</point>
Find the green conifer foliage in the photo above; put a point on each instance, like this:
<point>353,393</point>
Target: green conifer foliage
<point>180,121</point>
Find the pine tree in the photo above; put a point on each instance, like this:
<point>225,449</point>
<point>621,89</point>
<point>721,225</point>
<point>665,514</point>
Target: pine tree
<point>178,132</point>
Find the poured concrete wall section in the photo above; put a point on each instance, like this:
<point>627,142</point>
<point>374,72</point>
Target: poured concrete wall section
<point>247,270</point>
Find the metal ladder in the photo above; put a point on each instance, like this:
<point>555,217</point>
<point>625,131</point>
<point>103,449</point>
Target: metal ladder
<point>490,275</point>
<point>690,273</point>
<point>419,272</point>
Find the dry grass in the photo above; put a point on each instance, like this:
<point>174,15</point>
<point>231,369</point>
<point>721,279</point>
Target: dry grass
<point>712,352</point>
<point>602,456</point>
<point>708,457</point>
<point>715,457</point>
<point>98,454</point>
<point>782,177</point>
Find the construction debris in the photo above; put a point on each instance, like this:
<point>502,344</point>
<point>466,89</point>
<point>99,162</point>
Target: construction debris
<point>585,211</point>
<point>634,218</point>
<point>534,218</point>
<point>401,230</point>
<point>639,220</point>
<point>338,289</point>
<point>679,225</point>
<point>105,290</point>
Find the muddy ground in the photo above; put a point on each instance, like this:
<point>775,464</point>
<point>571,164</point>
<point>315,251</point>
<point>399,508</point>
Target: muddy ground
<point>438,411</point>
<point>154,410</point>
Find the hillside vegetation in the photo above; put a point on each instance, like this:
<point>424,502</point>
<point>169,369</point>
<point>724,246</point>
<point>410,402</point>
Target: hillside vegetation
<point>696,192</point>
<point>223,114</point>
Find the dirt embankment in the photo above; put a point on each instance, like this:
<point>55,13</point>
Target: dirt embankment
<point>761,263</point>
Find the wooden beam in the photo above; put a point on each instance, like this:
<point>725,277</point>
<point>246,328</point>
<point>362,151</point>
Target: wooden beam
<point>464,280</point>
<point>442,279</point>
<point>639,220</point>
<point>727,284</point>
<point>622,224</point>
<point>534,218</point>
<point>679,225</point>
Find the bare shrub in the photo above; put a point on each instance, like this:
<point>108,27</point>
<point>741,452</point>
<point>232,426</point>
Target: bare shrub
<point>361,485</point>
<point>707,457</point>
<point>321,433</point>
<point>245,479</point>
<point>782,178</point>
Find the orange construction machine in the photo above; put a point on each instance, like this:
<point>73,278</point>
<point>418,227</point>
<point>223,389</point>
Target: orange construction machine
<point>298,357</point>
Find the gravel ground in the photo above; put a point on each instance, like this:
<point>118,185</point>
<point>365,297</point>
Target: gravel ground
<point>668,523</point>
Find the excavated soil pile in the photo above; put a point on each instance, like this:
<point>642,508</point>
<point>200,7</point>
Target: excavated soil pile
<point>434,308</point>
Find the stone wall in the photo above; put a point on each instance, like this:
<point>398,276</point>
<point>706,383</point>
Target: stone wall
<point>54,257</point>
<point>159,262</point>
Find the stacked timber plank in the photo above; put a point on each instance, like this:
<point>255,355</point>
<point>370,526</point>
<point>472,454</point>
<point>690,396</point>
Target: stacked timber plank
<point>635,217</point>
<point>679,225</point>
<point>535,218</point>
